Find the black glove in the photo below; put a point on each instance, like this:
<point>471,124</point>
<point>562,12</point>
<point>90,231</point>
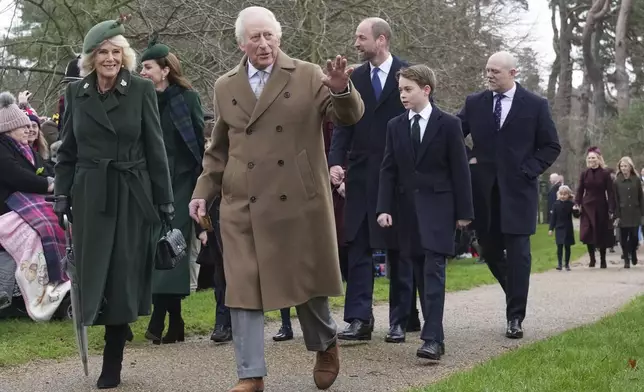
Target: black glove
<point>167,212</point>
<point>61,208</point>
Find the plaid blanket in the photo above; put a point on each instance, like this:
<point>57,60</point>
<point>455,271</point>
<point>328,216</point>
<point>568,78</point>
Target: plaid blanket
<point>180,115</point>
<point>40,215</point>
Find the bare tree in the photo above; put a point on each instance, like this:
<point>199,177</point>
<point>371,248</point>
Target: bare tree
<point>622,83</point>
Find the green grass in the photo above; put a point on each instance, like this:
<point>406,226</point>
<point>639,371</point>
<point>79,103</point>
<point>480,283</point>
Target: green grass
<point>590,358</point>
<point>22,340</point>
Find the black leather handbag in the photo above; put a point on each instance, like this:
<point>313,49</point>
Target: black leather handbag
<point>171,248</point>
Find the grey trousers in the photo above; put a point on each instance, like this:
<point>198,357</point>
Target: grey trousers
<point>318,327</point>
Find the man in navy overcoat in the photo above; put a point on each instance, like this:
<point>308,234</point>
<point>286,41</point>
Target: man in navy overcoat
<point>364,143</point>
<point>515,141</point>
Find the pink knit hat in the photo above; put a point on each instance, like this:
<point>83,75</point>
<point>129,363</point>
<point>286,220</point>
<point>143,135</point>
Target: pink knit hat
<point>11,116</point>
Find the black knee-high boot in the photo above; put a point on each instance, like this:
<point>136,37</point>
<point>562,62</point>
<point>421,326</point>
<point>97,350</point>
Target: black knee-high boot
<point>176,326</point>
<point>115,337</point>
<point>591,253</point>
<point>602,258</point>
<point>157,320</point>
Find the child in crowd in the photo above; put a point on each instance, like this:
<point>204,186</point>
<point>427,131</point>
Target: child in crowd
<point>561,222</point>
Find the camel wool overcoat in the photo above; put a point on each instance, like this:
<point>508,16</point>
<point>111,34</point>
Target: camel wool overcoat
<point>267,160</point>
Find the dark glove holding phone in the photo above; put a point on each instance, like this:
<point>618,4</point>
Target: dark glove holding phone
<point>167,212</point>
<point>61,208</point>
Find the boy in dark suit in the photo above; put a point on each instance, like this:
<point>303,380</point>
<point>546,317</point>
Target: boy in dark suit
<point>426,164</point>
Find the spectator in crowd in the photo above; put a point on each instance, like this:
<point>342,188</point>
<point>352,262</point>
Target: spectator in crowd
<point>555,182</point>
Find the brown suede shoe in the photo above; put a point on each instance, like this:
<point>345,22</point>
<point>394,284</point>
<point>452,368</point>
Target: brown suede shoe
<point>249,385</point>
<point>327,367</point>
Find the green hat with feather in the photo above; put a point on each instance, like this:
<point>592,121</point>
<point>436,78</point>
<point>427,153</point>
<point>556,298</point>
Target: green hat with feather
<point>103,31</point>
<point>155,49</point>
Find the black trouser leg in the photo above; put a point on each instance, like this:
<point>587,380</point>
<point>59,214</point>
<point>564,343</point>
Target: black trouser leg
<point>559,255</point>
<point>567,255</point>
<point>602,257</point>
<point>285,315</point>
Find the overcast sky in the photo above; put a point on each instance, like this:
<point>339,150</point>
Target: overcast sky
<point>536,22</point>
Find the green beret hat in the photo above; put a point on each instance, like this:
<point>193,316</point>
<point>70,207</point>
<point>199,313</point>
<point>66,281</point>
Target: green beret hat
<point>155,50</point>
<point>101,32</point>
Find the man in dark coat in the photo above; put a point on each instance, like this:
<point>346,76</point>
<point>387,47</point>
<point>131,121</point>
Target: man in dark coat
<point>555,182</point>
<point>426,164</point>
<point>365,144</point>
<point>515,141</point>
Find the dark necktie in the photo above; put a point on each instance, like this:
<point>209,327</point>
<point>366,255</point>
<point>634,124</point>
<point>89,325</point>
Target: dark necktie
<point>497,111</point>
<point>375,82</point>
<point>415,133</point>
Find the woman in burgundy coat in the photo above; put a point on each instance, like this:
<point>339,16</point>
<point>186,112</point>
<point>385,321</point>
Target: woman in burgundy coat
<point>594,198</point>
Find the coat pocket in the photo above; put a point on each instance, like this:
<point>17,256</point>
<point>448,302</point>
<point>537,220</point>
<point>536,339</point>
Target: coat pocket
<point>306,174</point>
<point>228,180</point>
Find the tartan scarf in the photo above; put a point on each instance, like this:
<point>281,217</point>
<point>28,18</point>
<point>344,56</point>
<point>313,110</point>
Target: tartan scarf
<point>40,215</point>
<point>180,115</point>
<point>24,149</point>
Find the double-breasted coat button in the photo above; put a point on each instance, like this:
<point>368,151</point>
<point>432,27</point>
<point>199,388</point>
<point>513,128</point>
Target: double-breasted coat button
<point>234,101</point>
<point>253,199</point>
<point>280,162</point>
<point>278,128</point>
<point>251,165</point>
<point>249,131</point>
<point>283,198</point>
<point>287,95</point>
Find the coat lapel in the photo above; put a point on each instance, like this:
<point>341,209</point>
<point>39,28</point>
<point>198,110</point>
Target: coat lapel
<point>488,111</point>
<point>122,86</point>
<point>517,104</point>
<point>240,89</point>
<point>92,105</point>
<point>433,125</point>
<point>280,76</point>
<point>390,84</point>
<point>362,82</point>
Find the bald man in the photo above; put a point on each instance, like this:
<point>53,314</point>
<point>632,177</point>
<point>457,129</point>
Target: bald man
<point>515,141</point>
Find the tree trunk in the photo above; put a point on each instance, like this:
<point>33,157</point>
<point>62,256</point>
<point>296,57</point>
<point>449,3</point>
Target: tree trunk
<point>621,76</point>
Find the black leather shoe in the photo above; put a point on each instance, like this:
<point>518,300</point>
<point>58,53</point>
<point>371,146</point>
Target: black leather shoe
<point>176,332</point>
<point>285,333</point>
<point>222,334</point>
<point>514,330</point>
<point>357,330</point>
<point>396,334</point>
<point>431,350</point>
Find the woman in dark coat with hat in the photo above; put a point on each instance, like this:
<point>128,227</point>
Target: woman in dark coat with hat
<point>182,122</point>
<point>112,171</point>
<point>594,199</point>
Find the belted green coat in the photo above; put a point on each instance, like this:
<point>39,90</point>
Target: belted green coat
<point>184,171</point>
<point>113,164</point>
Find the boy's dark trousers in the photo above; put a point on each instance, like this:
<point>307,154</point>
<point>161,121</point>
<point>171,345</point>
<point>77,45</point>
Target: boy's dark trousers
<point>429,270</point>
<point>560,254</point>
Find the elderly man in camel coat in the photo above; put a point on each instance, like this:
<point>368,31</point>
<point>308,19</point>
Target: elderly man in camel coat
<point>267,161</point>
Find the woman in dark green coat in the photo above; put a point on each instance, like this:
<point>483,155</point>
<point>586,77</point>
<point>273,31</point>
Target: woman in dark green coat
<point>113,173</point>
<point>183,124</point>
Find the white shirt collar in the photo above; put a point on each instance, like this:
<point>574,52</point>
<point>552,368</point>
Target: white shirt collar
<point>424,114</point>
<point>508,94</point>
<point>385,66</point>
<point>252,70</point>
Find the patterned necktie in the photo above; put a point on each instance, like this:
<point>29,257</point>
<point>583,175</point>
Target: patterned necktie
<point>415,133</point>
<point>497,111</point>
<point>260,85</point>
<point>375,82</point>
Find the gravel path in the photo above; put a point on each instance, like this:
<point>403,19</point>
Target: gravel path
<point>474,325</point>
